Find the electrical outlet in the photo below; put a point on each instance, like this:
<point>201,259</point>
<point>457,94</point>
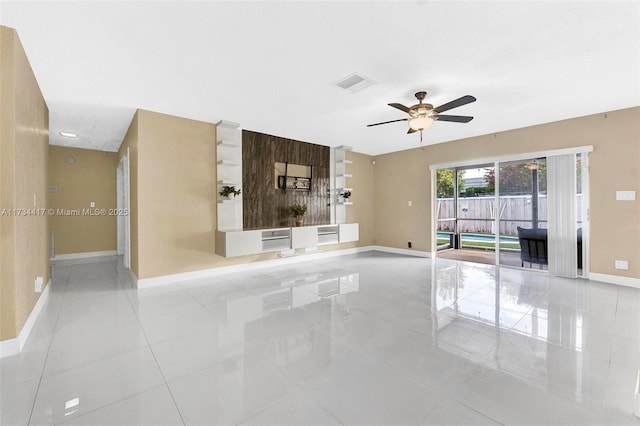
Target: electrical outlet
<point>409,244</point>
<point>39,283</point>
<point>622,264</point>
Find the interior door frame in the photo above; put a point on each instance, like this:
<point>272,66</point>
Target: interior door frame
<point>123,200</point>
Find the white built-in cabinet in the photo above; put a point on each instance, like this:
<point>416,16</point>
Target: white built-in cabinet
<point>284,240</point>
<point>231,240</point>
<point>229,173</point>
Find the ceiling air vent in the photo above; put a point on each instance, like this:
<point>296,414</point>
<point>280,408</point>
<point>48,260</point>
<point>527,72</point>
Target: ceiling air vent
<point>354,82</point>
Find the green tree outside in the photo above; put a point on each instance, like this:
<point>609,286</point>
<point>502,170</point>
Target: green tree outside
<point>516,179</point>
<point>444,179</point>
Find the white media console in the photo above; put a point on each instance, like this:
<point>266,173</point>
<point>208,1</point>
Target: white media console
<point>284,240</point>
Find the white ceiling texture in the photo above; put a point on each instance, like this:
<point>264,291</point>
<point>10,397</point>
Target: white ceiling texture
<point>271,66</point>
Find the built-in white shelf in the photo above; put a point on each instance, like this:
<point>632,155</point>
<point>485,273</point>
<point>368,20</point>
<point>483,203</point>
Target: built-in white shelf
<point>329,234</point>
<point>229,173</point>
<point>229,143</point>
<point>276,239</point>
<point>340,176</point>
<point>285,237</point>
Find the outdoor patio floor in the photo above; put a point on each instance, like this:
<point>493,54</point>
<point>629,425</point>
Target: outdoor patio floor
<point>487,257</point>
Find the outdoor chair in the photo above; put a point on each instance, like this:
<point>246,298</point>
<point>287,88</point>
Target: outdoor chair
<point>533,246</point>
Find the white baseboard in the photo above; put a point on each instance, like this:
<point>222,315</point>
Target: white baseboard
<point>14,346</point>
<point>133,277</point>
<point>243,267</point>
<point>85,255</point>
<point>636,397</point>
<point>615,279</point>
<point>406,252</point>
<point>9,347</point>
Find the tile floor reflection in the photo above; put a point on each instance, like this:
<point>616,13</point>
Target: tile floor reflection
<point>363,339</point>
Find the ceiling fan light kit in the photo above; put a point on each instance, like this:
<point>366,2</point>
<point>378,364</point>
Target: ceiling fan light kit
<point>422,115</point>
<point>420,122</point>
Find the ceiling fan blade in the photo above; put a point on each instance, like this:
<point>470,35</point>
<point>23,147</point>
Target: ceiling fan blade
<point>454,118</point>
<point>401,107</point>
<point>387,122</point>
<point>455,104</point>
<point>411,131</point>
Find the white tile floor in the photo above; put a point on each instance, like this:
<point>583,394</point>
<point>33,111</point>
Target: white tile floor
<point>364,339</point>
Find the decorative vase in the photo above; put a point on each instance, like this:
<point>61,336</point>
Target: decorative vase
<point>298,222</point>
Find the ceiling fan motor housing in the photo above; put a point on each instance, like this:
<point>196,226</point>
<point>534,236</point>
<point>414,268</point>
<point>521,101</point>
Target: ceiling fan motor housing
<point>421,109</point>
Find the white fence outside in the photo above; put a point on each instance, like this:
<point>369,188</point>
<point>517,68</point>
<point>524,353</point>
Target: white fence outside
<point>476,214</point>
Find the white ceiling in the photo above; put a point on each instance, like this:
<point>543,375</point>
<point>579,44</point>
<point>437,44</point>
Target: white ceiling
<point>271,65</point>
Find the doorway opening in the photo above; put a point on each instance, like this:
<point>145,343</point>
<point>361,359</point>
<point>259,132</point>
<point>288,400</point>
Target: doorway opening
<point>123,223</point>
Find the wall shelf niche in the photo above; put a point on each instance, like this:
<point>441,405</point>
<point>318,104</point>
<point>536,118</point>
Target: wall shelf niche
<point>340,164</point>
<point>276,239</point>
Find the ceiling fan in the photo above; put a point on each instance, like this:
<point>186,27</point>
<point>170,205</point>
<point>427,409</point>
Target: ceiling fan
<point>422,115</point>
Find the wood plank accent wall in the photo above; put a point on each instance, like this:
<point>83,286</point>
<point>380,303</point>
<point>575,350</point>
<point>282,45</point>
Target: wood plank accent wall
<point>265,206</point>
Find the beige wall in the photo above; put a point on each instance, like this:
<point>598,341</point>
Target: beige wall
<point>614,165</point>
<point>92,177</point>
<point>7,186</point>
<point>176,194</point>
<point>24,137</point>
<point>173,184</point>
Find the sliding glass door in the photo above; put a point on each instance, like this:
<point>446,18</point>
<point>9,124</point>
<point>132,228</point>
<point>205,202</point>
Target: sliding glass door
<point>522,213</point>
<point>475,213</point>
<point>499,213</point>
<point>446,226</point>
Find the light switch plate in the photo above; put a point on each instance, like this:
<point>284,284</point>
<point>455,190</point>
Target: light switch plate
<point>39,284</point>
<point>622,264</point>
<point>625,195</point>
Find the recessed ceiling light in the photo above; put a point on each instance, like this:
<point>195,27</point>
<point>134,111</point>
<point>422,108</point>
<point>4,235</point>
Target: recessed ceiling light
<point>68,134</point>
